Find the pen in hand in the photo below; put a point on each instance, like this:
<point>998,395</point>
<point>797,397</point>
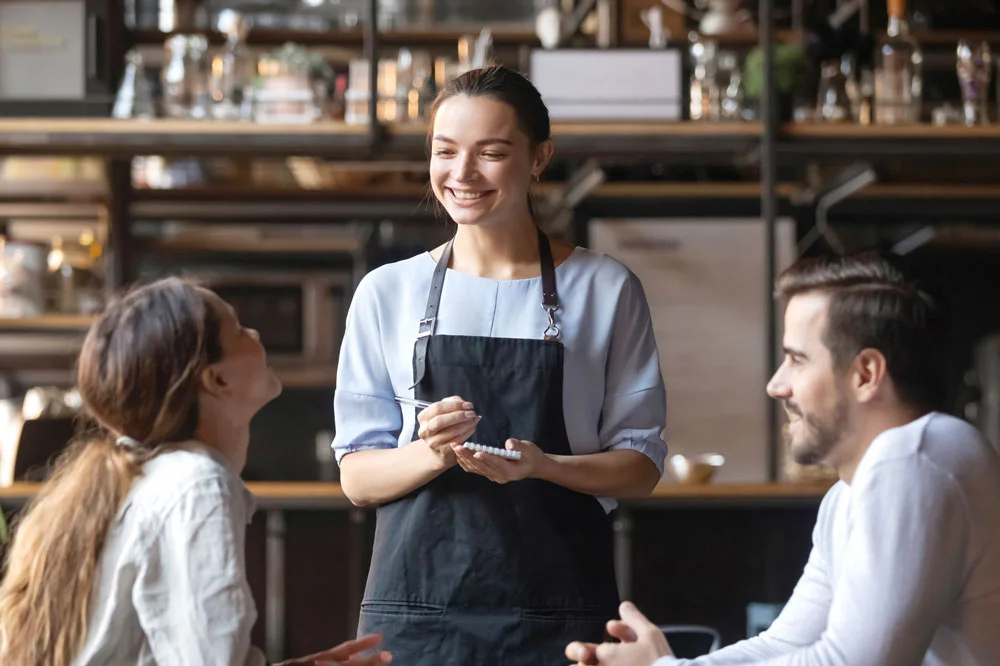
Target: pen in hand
<point>493,450</point>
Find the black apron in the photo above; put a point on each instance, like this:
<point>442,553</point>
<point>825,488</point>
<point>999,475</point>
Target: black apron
<point>466,571</point>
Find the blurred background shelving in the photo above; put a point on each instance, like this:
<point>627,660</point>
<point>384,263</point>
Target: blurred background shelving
<point>266,171</point>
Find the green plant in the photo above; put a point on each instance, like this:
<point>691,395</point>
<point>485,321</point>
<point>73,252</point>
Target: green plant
<point>4,532</point>
<point>790,70</point>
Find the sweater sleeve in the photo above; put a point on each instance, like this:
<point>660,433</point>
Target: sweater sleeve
<point>902,569</point>
<point>802,620</point>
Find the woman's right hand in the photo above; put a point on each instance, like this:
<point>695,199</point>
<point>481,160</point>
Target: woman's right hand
<point>444,423</point>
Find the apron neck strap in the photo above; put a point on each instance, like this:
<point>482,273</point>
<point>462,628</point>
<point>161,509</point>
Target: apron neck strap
<point>550,300</point>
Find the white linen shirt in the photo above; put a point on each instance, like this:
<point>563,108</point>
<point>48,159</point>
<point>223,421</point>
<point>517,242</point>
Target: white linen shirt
<point>171,588</point>
<point>613,391</point>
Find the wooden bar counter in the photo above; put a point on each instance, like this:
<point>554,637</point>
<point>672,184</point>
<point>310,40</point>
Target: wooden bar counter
<point>687,554</point>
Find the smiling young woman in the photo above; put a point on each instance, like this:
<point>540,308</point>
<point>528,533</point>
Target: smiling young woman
<point>516,342</point>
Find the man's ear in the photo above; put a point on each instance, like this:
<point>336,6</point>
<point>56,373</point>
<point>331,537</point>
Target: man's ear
<point>212,380</point>
<point>869,373</point>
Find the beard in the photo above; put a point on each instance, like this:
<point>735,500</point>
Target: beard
<point>818,434</point>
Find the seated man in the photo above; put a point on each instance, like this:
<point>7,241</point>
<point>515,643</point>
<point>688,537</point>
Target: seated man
<point>905,565</point>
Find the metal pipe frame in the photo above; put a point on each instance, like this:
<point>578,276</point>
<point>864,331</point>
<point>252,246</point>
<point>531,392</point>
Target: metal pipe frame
<point>372,55</point>
<point>768,210</point>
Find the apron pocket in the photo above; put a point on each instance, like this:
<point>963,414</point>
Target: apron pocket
<point>588,614</point>
<point>402,608</point>
<point>550,630</point>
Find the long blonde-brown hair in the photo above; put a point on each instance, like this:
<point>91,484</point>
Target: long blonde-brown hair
<point>138,375</point>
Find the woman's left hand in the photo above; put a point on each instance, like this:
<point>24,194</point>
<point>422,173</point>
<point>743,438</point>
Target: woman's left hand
<point>504,470</point>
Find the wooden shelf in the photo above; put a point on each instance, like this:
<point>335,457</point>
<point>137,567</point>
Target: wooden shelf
<point>274,494</point>
<point>751,37</point>
<point>56,189</point>
<point>26,132</point>
<point>48,322</point>
<point>951,37</point>
<point>104,136</point>
<point>32,129</point>
<point>917,140</point>
<point>164,203</point>
<point>322,376</point>
<point>417,192</point>
<point>250,244</point>
<point>502,35</point>
<point>875,132</point>
<point>929,191</point>
<point>678,141</point>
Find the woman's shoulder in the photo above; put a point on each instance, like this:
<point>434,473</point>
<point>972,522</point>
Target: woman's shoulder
<point>172,475</point>
<point>388,279</point>
<point>600,267</point>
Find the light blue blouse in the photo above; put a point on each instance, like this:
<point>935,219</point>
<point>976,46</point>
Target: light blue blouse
<point>613,392</point>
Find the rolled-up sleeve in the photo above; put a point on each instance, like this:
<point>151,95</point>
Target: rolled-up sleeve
<point>365,413</point>
<point>634,413</point>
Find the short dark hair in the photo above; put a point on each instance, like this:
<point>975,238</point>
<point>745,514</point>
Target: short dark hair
<point>873,305</point>
<point>504,85</point>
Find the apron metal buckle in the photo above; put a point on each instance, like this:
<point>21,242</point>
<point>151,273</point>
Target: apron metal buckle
<point>429,330</point>
<point>551,331</point>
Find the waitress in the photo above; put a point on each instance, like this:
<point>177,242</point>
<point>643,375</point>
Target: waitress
<point>520,343</point>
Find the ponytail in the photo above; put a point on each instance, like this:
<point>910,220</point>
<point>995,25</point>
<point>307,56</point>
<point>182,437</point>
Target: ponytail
<point>52,564</point>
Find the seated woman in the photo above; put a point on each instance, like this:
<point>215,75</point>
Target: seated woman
<point>133,553</point>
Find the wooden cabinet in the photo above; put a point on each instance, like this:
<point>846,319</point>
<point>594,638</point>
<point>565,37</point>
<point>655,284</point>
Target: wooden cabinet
<point>705,280</point>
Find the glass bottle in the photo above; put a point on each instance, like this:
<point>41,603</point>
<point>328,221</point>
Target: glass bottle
<point>135,95</point>
<point>899,76</point>
<point>232,69</point>
<point>702,83</point>
<point>833,104</point>
<point>974,67</point>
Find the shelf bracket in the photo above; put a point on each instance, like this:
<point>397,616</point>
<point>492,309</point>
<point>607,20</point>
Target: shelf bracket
<point>573,21</point>
<point>847,183</point>
<point>556,212</point>
<point>376,131</point>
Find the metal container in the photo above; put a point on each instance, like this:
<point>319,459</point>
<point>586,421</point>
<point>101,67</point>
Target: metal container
<point>22,278</point>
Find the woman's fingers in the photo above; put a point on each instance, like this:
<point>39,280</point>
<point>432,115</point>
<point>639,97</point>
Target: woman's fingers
<point>448,405</point>
<point>454,435</point>
<point>439,424</point>
<point>470,463</point>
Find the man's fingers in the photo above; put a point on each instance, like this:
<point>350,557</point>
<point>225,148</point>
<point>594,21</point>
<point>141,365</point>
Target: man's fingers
<point>606,652</point>
<point>345,650</point>
<point>582,653</point>
<point>377,659</point>
<point>622,631</point>
<point>633,618</point>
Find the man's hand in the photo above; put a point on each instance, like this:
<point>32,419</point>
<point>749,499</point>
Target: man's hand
<point>642,643</point>
<point>346,654</point>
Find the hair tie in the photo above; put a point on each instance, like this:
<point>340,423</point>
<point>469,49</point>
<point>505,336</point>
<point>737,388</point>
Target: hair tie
<point>127,442</point>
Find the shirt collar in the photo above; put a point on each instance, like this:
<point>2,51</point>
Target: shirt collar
<point>249,501</point>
